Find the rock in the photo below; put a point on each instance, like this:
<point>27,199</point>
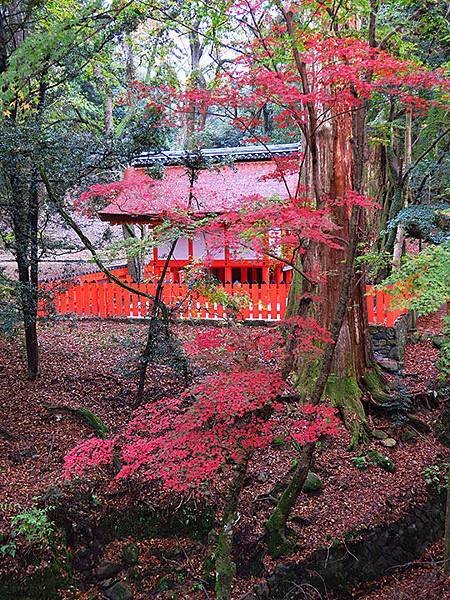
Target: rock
<point>164,584</point>
<point>135,574</point>
<point>107,569</point>
<point>119,591</point>
<point>83,560</point>
<point>389,443</point>
<point>379,434</point>
<point>419,424</point>
<point>263,477</point>
<point>388,364</point>
<point>408,435</point>
<point>262,590</point>
<point>130,555</point>
<point>313,483</point>
<point>107,583</point>
<point>382,461</point>
<point>394,353</point>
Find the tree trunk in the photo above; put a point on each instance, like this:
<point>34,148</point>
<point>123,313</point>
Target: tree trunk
<point>25,221</point>
<point>447,527</point>
<point>135,266</point>
<point>352,355</point>
<point>400,235</point>
<point>225,567</point>
<point>24,198</point>
<point>28,303</point>
<point>278,542</point>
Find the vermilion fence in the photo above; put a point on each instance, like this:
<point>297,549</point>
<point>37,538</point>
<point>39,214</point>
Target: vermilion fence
<point>94,296</point>
<point>379,309</point>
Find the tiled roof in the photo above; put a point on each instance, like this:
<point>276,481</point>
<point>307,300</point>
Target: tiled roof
<point>236,153</point>
<point>219,189</point>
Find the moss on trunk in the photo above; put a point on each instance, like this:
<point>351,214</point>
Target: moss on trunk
<point>225,566</point>
<point>277,538</point>
<point>345,394</point>
<point>373,383</point>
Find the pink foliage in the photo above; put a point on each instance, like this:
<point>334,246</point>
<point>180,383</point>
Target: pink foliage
<point>235,347</point>
<point>183,442</point>
<point>90,453</point>
<point>323,420</point>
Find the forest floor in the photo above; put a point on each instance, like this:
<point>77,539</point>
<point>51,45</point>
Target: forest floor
<point>90,364</point>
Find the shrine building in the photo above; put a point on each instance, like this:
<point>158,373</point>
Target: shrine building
<point>233,174</point>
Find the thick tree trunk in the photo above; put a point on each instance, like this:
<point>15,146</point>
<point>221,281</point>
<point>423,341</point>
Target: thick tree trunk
<point>352,358</point>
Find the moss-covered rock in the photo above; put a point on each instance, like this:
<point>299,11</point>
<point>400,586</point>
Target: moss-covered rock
<point>119,591</point>
<point>107,569</point>
<point>379,434</point>
<point>313,483</point>
<point>408,435</point>
<point>381,460</point>
<point>165,583</point>
<point>130,555</point>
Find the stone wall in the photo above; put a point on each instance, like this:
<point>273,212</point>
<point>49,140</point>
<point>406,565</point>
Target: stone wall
<point>364,557</point>
<point>389,342</point>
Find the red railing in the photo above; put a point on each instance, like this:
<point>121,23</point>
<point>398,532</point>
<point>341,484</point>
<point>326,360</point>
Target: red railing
<point>93,296</point>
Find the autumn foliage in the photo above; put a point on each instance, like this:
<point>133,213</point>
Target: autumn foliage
<point>183,442</point>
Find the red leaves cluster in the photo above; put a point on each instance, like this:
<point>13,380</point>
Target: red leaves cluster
<point>323,420</point>
<point>135,189</point>
<point>309,336</point>
<point>183,442</point>
<point>342,72</point>
<point>295,220</point>
<point>227,348</point>
<point>91,453</point>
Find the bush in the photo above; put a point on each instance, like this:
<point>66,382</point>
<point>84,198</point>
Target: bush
<point>34,525</point>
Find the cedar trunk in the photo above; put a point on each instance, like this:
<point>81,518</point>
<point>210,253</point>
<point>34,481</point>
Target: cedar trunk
<point>341,161</point>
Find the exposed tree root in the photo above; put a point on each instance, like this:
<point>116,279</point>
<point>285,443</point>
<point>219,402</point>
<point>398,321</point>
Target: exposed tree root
<point>92,420</point>
<point>345,394</point>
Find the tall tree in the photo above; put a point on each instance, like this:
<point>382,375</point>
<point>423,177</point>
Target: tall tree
<point>44,47</point>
